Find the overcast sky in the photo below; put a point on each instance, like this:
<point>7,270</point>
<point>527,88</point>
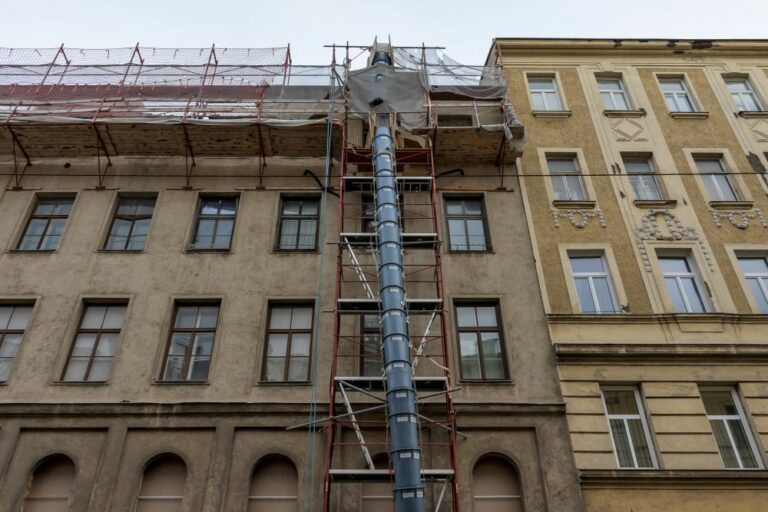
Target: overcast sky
<point>465,27</point>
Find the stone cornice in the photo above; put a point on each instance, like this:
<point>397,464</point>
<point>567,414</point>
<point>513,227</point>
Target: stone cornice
<point>658,353</point>
<point>673,479</point>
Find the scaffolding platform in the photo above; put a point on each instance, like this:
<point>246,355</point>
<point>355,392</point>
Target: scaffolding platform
<point>423,383</point>
<point>405,184</point>
<point>409,240</point>
<point>385,475</point>
<point>415,306</point>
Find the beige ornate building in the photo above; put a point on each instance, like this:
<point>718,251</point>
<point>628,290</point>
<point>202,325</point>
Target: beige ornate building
<point>644,184</point>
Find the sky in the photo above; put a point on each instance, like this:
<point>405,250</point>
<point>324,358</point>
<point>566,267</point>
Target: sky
<point>466,28</point>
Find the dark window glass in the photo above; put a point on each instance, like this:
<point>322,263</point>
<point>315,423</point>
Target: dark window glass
<point>215,223</point>
<point>481,345</point>
<point>466,224</point>
<point>289,339</point>
<point>370,346</point>
<point>298,225</point>
<point>93,350</point>
<point>131,224</point>
<point>189,349</point>
<point>46,224</point>
<point>13,323</point>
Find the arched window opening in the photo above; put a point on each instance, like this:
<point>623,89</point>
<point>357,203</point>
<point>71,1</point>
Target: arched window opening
<point>51,486</point>
<point>377,496</point>
<point>274,486</point>
<point>162,488</point>
<point>496,486</point>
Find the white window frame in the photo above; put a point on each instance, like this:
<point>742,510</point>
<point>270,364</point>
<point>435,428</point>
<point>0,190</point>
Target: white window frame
<point>761,278</point>
<point>591,276</point>
<point>642,176</point>
<point>693,273</point>
<point>561,175</point>
<point>545,92</point>
<point>744,423</point>
<point>749,92</point>
<point>624,417</point>
<point>711,177</point>
<point>611,93</point>
<point>676,95</point>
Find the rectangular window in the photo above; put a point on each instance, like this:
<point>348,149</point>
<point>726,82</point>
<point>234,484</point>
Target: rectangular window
<point>466,224</point>
<point>613,94</point>
<point>188,356</point>
<point>683,284</point>
<point>370,346</point>
<point>744,95</point>
<point>215,223</point>
<point>716,179</point>
<point>298,224</point>
<point>13,323</point>
<point>481,344</point>
<point>593,284</point>
<point>544,94</point>
<point>755,271</point>
<point>566,179</point>
<point>629,429</point>
<point>289,339</point>
<point>131,224</point>
<point>729,425</point>
<point>677,95</point>
<point>643,178</point>
<point>91,355</point>
<point>46,224</point>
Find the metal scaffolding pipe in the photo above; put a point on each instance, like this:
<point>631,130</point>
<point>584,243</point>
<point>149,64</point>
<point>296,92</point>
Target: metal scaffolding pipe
<point>402,418</point>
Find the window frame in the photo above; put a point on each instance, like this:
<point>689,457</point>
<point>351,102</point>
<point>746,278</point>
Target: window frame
<point>486,227</point>
<point>694,273</point>
<point>189,355</point>
<point>742,417</point>
<point>22,333</point>
<point>272,305</point>
<point>49,217</point>
<point>585,195</point>
<point>653,175</point>
<point>762,279</point>
<point>192,245</point>
<point>750,91</point>
<point>622,92</point>
<point>616,303</point>
<point>726,173</point>
<point>687,92</point>
<point>132,219</point>
<point>80,330</point>
<point>368,356</point>
<point>556,89</point>
<point>502,341</point>
<point>641,415</point>
<point>300,217</point>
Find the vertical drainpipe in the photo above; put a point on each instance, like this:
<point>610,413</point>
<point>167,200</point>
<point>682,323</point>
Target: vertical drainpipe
<point>404,452</point>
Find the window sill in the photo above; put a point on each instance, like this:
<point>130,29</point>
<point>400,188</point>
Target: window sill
<point>454,251</point>
<point>551,113</point>
<point>32,251</point>
<point>117,251</point>
<point>79,383</point>
<point>655,203</point>
<point>573,205</point>
<point>181,382</point>
<point>294,251</point>
<point>731,205</point>
<point>193,250</point>
<point>689,115</point>
<point>640,112</point>
<point>752,114</point>
<point>283,383</point>
<point>492,382</point>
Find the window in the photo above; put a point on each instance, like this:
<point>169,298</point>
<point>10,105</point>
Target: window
<point>288,343</point>
<point>481,347</point>
<point>90,359</point>
<point>566,179</point>
<point>729,425</point>
<point>496,486</point>
<point>716,179</point>
<point>51,487</point>
<point>613,94</point>
<point>593,285</point>
<point>46,224</point>
<point>298,225</point>
<point>743,95</point>
<point>191,342</point>
<point>676,95</point>
<point>544,94</point>
<point>370,346</point>
<point>162,487</point>
<point>755,271</point>
<point>215,223</point>
<point>13,323</point>
<point>131,224</point>
<point>629,430</point>
<point>274,486</point>
<point>683,284</point>
<point>643,179</point>
<point>466,224</point>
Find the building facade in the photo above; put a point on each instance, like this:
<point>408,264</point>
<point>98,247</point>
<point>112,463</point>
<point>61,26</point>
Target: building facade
<point>171,292</point>
<point>644,183</point>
